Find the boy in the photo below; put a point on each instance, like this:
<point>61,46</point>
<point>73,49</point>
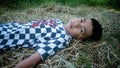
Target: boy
<point>46,36</point>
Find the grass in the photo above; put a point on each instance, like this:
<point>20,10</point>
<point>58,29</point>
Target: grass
<point>102,54</point>
<point>20,4</point>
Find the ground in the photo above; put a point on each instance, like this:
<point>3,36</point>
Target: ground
<point>102,54</point>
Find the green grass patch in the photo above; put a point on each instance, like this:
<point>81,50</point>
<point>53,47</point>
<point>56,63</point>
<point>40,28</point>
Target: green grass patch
<point>18,4</point>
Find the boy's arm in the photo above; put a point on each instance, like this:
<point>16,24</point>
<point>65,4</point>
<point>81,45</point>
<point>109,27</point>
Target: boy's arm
<point>30,61</point>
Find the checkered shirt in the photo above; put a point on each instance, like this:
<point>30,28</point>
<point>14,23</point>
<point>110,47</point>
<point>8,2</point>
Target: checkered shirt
<point>46,36</point>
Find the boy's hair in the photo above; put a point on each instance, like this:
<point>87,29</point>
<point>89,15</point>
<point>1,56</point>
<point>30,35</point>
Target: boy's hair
<point>96,31</point>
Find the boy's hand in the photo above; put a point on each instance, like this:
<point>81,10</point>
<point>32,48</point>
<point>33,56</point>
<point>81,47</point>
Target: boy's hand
<point>30,61</point>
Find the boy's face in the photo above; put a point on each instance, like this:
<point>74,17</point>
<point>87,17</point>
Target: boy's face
<point>79,28</point>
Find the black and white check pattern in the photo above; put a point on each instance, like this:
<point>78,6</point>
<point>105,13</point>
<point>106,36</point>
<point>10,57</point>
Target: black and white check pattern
<point>46,36</point>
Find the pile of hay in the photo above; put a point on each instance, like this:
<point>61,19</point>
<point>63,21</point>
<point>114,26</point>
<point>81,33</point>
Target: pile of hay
<point>101,54</point>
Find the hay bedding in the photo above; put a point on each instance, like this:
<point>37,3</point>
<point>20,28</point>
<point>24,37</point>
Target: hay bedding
<point>77,55</point>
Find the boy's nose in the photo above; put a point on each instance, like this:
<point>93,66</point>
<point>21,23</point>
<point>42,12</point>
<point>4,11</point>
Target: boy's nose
<point>77,25</point>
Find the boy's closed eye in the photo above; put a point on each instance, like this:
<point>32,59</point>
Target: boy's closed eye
<point>82,20</point>
<point>82,30</point>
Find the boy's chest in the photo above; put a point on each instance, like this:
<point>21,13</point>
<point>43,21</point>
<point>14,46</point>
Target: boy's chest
<point>44,28</point>
<point>46,23</point>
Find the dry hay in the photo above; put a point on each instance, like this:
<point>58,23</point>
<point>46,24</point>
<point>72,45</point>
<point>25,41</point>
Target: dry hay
<point>101,54</point>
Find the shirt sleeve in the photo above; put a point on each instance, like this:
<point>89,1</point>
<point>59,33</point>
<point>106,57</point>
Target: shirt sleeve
<point>49,48</point>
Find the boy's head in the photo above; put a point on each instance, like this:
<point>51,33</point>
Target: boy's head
<point>81,28</point>
<point>96,31</point>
